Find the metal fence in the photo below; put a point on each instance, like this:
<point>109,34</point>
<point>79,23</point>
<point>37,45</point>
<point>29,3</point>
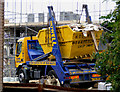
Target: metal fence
<point>12,17</point>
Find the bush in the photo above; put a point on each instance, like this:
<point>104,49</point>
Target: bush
<point>108,62</point>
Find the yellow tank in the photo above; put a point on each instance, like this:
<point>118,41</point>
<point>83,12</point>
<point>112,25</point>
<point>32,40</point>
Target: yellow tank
<point>74,42</point>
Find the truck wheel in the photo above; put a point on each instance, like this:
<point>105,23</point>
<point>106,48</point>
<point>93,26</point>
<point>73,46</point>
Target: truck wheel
<point>52,79</point>
<point>21,77</point>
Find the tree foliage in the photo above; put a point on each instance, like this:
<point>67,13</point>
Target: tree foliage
<point>108,62</point>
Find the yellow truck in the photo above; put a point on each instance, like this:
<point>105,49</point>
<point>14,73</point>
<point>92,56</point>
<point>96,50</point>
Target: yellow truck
<point>61,54</point>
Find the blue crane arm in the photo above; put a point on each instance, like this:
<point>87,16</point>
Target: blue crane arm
<point>55,45</point>
<point>88,18</point>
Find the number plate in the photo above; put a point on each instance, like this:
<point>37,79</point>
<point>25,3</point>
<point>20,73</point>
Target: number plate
<point>94,79</point>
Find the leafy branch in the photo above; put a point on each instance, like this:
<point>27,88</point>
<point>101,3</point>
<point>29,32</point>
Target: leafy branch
<point>108,62</point>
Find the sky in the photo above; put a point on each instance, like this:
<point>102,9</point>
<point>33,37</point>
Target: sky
<point>40,6</point>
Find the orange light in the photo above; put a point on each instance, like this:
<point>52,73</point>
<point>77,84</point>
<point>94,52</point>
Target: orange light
<point>95,75</point>
<point>75,77</point>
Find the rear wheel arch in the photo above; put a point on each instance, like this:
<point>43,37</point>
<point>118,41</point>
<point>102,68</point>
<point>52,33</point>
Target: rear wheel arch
<point>49,68</point>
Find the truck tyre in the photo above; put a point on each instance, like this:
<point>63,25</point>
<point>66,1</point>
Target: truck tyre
<point>21,77</point>
<point>52,73</point>
<point>52,79</point>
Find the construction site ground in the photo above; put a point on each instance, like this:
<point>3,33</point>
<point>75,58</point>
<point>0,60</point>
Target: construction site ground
<point>37,86</point>
<point>32,87</point>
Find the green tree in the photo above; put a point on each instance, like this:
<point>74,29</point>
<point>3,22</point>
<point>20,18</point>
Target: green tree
<point>108,62</point>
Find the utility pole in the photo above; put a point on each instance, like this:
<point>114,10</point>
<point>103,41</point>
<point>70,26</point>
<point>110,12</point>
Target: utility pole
<point>99,11</point>
<point>14,32</point>
<point>1,42</point>
<point>21,13</point>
